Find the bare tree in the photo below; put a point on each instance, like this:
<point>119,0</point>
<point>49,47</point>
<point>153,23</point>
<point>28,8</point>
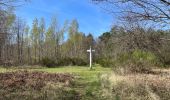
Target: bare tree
<point>142,10</point>
<point>2,33</point>
<point>12,3</point>
<point>5,21</point>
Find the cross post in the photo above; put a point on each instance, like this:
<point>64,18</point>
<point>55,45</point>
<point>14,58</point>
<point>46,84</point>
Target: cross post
<point>90,51</point>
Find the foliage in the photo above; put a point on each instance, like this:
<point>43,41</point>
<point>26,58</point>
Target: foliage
<point>48,62</point>
<point>138,55</point>
<point>79,62</point>
<point>67,61</point>
<point>137,61</point>
<point>105,37</point>
<point>105,62</point>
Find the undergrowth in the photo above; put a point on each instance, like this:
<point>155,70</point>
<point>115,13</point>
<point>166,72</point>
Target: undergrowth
<point>136,86</point>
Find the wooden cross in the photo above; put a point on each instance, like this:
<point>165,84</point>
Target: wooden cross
<point>90,51</point>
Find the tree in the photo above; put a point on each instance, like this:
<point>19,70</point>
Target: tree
<point>27,43</point>
<point>60,39</point>
<point>42,30</point>
<point>35,37</point>
<point>51,38</point>
<point>12,3</point>
<point>105,37</point>
<point>90,40</point>
<point>3,33</point>
<point>73,31</point>
<point>19,28</point>
<point>7,18</point>
<point>140,10</point>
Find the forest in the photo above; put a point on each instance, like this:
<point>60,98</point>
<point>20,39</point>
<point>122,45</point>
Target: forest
<point>50,61</point>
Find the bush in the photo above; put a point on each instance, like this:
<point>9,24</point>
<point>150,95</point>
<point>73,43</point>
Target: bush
<point>79,62</point>
<point>47,62</point>
<point>137,56</point>
<point>105,62</point>
<point>138,61</point>
<point>72,61</point>
<point>67,61</point>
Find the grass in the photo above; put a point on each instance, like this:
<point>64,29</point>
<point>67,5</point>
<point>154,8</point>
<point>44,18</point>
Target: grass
<point>136,86</point>
<point>87,81</point>
<point>2,70</point>
<point>103,84</point>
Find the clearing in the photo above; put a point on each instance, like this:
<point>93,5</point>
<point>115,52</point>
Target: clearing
<point>86,84</point>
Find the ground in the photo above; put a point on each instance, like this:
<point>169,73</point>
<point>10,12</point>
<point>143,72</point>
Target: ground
<point>86,82</point>
<point>80,83</point>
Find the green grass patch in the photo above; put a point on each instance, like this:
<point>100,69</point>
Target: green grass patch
<point>87,81</point>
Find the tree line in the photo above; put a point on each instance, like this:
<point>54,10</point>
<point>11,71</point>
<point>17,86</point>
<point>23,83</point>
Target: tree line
<point>25,45</point>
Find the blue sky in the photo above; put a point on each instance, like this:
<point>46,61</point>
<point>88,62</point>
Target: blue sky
<point>90,17</point>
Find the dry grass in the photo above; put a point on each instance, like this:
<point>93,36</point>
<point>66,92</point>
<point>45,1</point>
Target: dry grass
<point>25,85</point>
<point>137,86</point>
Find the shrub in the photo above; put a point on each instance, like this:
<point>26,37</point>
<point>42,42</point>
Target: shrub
<point>71,61</point>
<point>136,87</point>
<point>137,61</point>
<point>67,61</point>
<point>105,62</point>
<point>48,62</point>
<point>79,62</point>
<point>137,56</point>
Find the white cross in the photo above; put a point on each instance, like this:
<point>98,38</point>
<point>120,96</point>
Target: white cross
<point>90,51</point>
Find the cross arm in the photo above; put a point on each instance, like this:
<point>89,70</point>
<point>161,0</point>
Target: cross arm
<point>88,50</point>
